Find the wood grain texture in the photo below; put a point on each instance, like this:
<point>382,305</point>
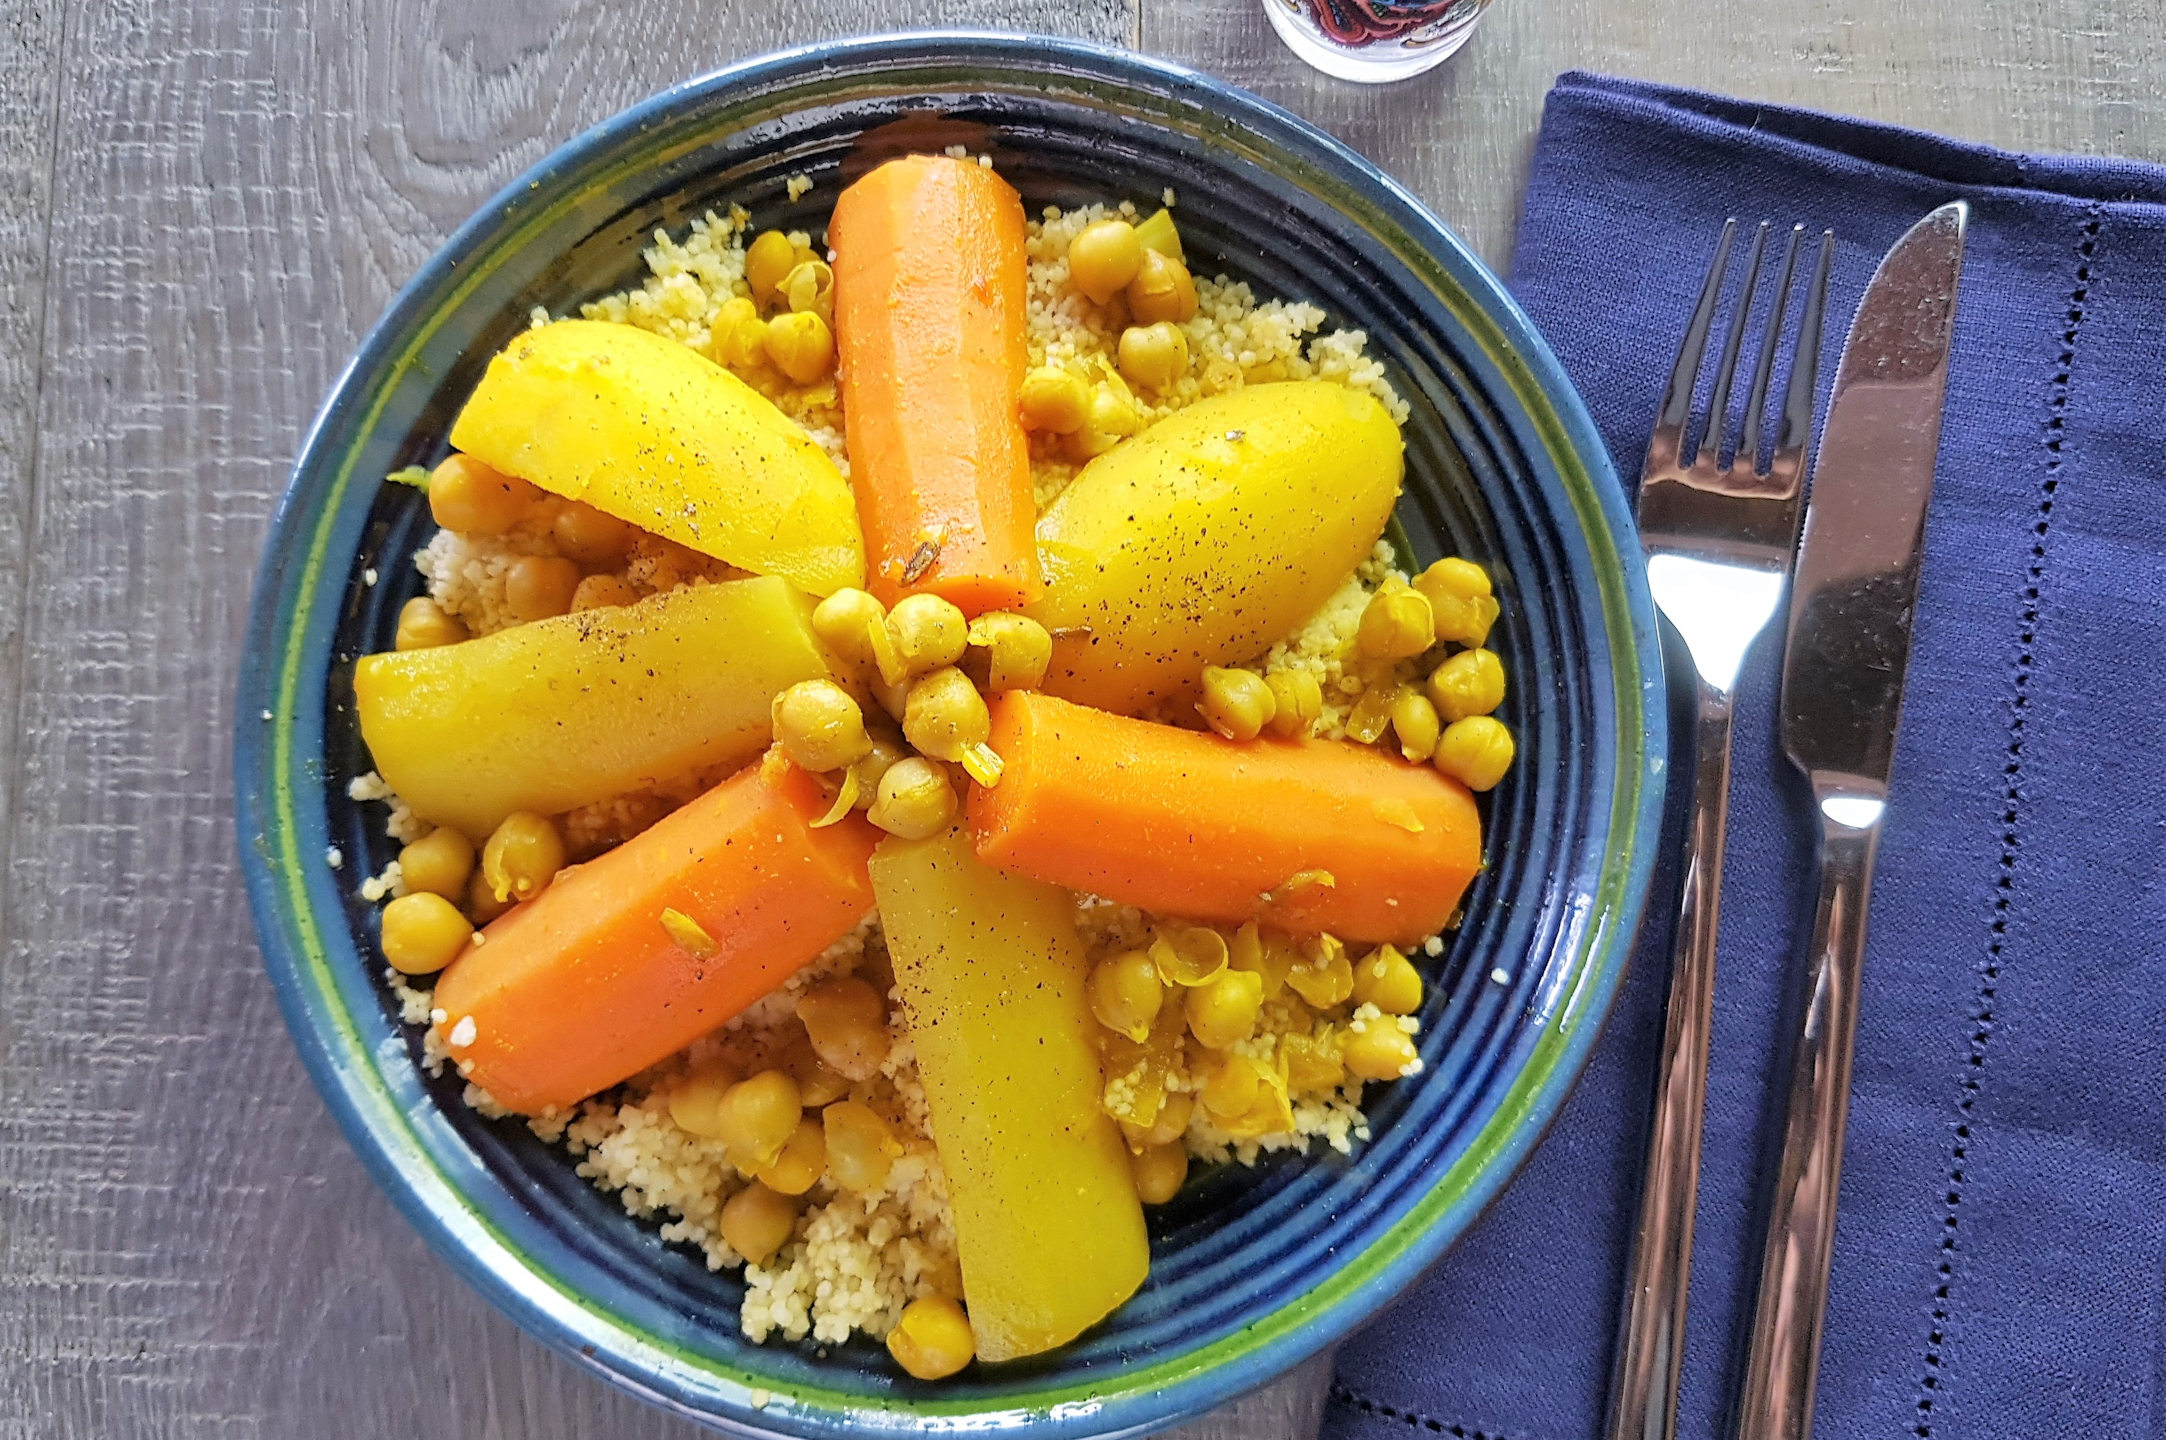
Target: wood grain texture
<point>233,189</point>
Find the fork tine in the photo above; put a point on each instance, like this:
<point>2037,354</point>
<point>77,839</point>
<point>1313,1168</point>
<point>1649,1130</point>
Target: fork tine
<point>1685,374</point>
<point>1718,411</point>
<point>1797,408</point>
<point>1748,447</point>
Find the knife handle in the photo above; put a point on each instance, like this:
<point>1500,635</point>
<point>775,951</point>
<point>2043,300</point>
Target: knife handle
<point>1783,1361</point>
<point>1651,1338</point>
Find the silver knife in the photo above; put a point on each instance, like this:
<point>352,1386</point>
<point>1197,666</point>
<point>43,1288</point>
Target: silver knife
<point>1851,607</point>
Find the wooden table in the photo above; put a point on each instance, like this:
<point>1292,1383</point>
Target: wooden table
<point>203,203</point>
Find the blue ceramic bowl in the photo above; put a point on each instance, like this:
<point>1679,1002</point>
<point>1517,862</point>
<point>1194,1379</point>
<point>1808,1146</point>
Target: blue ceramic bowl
<point>1251,1270</point>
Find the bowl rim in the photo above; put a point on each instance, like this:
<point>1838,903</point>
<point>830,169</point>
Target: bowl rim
<point>332,1050</point>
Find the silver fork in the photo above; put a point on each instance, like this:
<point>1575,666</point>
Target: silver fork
<point>1719,541</point>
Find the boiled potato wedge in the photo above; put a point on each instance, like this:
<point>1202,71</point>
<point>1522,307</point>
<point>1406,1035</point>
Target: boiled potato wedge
<point>1209,536</point>
<point>579,708</point>
<point>656,434</point>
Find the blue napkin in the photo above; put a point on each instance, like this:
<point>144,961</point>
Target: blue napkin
<point>2000,1259</point>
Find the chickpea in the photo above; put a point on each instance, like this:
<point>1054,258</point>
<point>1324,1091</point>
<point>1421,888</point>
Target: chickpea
<point>1189,955</point>
<point>757,1117</point>
<point>1298,702</point>
<point>1325,977</point>
<point>928,632</point>
<point>873,768</point>
<point>1380,1050</point>
<point>802,1162</point>
<point>844,621</point>
<point>915,801</point>
<point>695,1102</point>
<point>1475,751</point>
<point>539,586</point>
<point>801,345</point>
<point>861,1147</point>
<point>1414,721</point>
<point>594,539</point>
<point>816,1084</point>
<point>809,288</point>
<point>819,726</point>
<point>1153,355</point>
<point>481,902</point>
<point>768,259</point>
<point>1103,258</point>
<point>1398,623</point>
<point>1459,592</point>
<point>1236,703</point>
<point>439,863</point>
<point>1157,233</point>
<point>1233,1086</point>
<point>847,1021</point>
<point>1269,953</point>
<point>1313,1065</point>
<point>893,696</point>
<point>932,1340</point>
<point>1126,994</point>
<point>1160,1172</point>
<point>1054,399</point>
<point>945,715</point>
<point>523,856</point>
<point>1470,683</point>
<point>602,592</point>
<point>424,625</point>
<point>756,1222</point>
<point>469,497</point>
<point>1017,648</point>
<point>422,933</point>
<point>1223,1013</point>
<point>1112,418</point>
<point>1388,980</point>
<point>738,337</point>
<point>1162,290</point>
<point>1174,1113</point>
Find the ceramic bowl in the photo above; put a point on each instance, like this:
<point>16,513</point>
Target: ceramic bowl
<point>1252,1270</point>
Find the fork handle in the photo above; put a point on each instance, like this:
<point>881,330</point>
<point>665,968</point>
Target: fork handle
<point>1650,1347</point>
<point>1783,1360</point>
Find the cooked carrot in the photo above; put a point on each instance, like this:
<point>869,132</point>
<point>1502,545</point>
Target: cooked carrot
<point>929,304</point>
<point>1308,836</point>
<point>627,959</point>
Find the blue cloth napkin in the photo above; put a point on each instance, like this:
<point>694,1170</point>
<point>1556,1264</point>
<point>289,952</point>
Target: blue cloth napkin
<point>2000,1259</point>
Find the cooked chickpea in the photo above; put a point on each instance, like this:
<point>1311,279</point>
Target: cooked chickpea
<point>861,1147</point>
<point>928,632</point>
<point>801,346</point>
<point>1324,977</point>
<point>1475,751</point>
<point>1388,980</point>
<point>1103,257</point>
<point>440,863</point>
<point>847,1021</point>
<point>757,1118</point>
<point>809,288</point>
<point>1017,650</point>
<point>819,726</point>
<point>915,800</point>
<point>1469,683</point>
<point>471,498</point>
<point>816,1084</point>
<point>1236,703</point>
<point>695,1102</point>
<point>1190,955</point>
<point>523,856</point>
<point>802,1161</point>
<point>423,932</point>
<point>1414,721</point>
<point>1234,1084</point>
<point>1268,953</point>
<point>768,259</point>
<point>1055,399</point>
<point>844,621</point>
<point>424,625</point>
<point>1157,233</point>
<point>1112,418</point>
<point>1459,592</point>
<point>481,902</point>
<point>1174,1113</point>
<point>1162,290</point>
<point>603,592</point>
<point>872,768</point>
<point>756,1222</point>
<point>738,336</point>
<point>539,586</point>
<point>945,715</point>
<point>1380,1050</point>
<point>1398,623</point>
<point>1159,1172</point>
<point>1153,355</point>
<point>1126,994</point>
<point>932,1340</point>
<point>1223,1013</point>
<point>591,537</point>
<point>1297,702</point>
<point>892,696</point>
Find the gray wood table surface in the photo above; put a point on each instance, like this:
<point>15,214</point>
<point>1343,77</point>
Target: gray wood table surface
<point>203,204</point>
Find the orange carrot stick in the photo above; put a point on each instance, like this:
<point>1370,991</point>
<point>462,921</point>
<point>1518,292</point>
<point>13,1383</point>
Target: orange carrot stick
<point>587,984</point>
<point>1307,836</point>
<point>929,306</point>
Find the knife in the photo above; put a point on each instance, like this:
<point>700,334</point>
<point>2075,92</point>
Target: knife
<point>1852,602</point>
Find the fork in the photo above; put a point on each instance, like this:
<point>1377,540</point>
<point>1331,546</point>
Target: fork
<point>1719,541</point>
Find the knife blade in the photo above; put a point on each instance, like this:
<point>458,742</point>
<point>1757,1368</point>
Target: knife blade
<point>1853,600</point>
